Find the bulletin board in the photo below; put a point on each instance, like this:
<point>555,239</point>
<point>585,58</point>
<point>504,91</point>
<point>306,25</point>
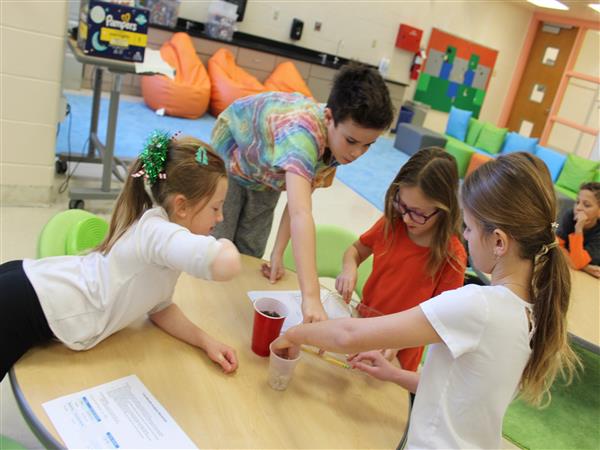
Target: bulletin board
<point>457,73</point>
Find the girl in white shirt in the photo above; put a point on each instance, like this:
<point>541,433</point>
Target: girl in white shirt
<point>487,343</point>
<point>81,300</point>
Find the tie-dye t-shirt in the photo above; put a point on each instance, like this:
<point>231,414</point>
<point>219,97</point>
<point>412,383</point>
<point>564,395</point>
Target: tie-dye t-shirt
<point>262,137</point>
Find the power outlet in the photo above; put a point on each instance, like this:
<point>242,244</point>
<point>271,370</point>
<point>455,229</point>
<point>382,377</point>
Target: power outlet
<point>275,14</point>
<point>318,25</point>
<point>374,43</point>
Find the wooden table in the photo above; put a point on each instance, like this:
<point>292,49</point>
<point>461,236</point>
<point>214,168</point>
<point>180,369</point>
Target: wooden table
<point>325,406</point>
<point>584,309</point>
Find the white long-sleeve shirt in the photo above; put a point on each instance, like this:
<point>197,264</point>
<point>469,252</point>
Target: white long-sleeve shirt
<point>88,298</point>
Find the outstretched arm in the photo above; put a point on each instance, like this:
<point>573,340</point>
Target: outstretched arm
<point>173,321</point>
<point>302,229</point>
<point>401,330</point>
<point>376,365</point>
<point>274,270</point>
<point>227,263</point>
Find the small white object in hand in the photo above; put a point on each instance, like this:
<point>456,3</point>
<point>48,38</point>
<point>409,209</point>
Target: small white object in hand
<point>160,112</point>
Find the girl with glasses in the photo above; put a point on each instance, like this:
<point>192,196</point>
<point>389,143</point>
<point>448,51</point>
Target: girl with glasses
<point>487,344</point>
<point>416,246</point>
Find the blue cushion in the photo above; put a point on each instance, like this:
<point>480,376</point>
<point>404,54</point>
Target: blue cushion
<point>515,142</point>
<point>458,123</point>
<point>554,160</point>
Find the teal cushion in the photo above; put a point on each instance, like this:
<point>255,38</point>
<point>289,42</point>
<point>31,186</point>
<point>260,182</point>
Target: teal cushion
<point>577,171</point>
<point>475,126</point>
<point>515,142</point>
<point>491,138</point>
<point>458,122</point>
<point>554,160</point>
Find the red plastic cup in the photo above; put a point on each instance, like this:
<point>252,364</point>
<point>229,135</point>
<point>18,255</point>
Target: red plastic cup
<point>267,328</point>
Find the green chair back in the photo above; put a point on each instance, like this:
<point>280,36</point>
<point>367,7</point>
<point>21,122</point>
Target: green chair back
<point>71,232</point>
<point>332,242</point>
<point>7,443</point>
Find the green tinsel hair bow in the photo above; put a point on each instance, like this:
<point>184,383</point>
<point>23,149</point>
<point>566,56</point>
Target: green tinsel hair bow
<point>154,157</point>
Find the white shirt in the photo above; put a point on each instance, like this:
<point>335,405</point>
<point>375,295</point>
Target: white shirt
<point>87,298</point>
<point>470,378</point>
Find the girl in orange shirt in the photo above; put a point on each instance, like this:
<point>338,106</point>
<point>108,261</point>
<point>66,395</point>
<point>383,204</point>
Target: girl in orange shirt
<point>417,252</point>
<point>579,230</point>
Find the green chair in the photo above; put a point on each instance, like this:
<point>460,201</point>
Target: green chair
<point>572,420</point>
<point>7,443</point>
<point>70,233</point>
<point>332,242</point>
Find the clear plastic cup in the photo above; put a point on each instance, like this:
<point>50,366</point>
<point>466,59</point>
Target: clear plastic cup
<point>281,370</point>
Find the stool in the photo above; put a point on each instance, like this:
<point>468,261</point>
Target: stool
<point>412,138</point>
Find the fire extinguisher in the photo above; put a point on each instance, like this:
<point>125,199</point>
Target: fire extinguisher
<point>417,62</point>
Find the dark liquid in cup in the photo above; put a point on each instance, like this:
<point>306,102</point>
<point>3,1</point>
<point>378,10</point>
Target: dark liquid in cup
<point>270,313</point>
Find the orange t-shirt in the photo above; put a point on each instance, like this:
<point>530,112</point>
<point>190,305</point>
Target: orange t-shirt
<point>400,281</point>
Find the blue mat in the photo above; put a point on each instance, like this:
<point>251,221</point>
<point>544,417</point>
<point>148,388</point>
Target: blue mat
<point>135,121</point>
<point>369,176</point>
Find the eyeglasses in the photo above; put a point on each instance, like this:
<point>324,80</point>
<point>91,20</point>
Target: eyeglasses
<point>415,216</point>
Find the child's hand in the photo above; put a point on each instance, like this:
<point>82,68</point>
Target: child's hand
<point>345,283</point>
<point>580,219</point>
<point>222,354</point>
<point>593,270</point>
<point>285,348</point>
<point>375,364</point>
<point>273,270</point>
<point>312,311</point>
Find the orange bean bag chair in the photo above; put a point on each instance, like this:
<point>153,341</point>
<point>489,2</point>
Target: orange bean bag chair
<point>286,78</point>
<point>229,81</point>
<point>477,160</point>
<point>186,96</point>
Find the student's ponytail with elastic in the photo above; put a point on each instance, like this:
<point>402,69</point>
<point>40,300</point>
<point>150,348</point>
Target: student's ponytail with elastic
<point>514,193</point>
<point>181,171</point>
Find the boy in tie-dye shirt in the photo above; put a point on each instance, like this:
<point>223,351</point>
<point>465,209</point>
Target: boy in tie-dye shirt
<point>278,141</point>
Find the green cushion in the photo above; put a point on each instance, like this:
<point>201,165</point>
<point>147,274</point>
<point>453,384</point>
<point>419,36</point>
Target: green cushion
<point>475,127</point>
<point>597,177</point>
<point>7,443</point>
<point>568,193</point>
<point>462,154</point>
<point>491,138</point>
<point>577,170</point>
<point>85,235</point>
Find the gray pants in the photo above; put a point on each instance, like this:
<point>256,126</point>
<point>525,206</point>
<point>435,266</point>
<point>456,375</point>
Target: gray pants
<point>248,217</point>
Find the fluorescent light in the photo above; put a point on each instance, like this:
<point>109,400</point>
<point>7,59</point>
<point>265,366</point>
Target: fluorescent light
<point>553,4</point>
<point>595,6</point>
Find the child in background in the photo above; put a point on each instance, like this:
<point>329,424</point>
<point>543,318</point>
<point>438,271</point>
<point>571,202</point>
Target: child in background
<point>416,245</point>
<point>579,230</point>
<point>486,342</point>
<point>277,141</point>
<point>81,300</point>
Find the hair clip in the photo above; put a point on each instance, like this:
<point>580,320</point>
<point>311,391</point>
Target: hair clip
<point>554,226</point>
<point>202,156</point>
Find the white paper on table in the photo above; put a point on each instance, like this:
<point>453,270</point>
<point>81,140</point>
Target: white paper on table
<point>335,308</point>
<point>119,414</point>
<point>153,63</point>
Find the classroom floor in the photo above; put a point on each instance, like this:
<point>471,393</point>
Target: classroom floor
<point>20,226</point>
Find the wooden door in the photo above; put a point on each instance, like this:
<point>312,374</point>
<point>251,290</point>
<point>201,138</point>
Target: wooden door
<point>546,63</point>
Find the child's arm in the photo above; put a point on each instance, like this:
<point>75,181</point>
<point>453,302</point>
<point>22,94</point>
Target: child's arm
<point>376,365</point>
<point>274,270</point>
<point>173,321</point>
<point>302,230</point>
<point>593,270</point>
<point>401,330</point>
<point>353,257</point>
<point>227,263</point>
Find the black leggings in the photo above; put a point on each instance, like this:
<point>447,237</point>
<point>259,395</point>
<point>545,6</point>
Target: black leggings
<point>22,321</point>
